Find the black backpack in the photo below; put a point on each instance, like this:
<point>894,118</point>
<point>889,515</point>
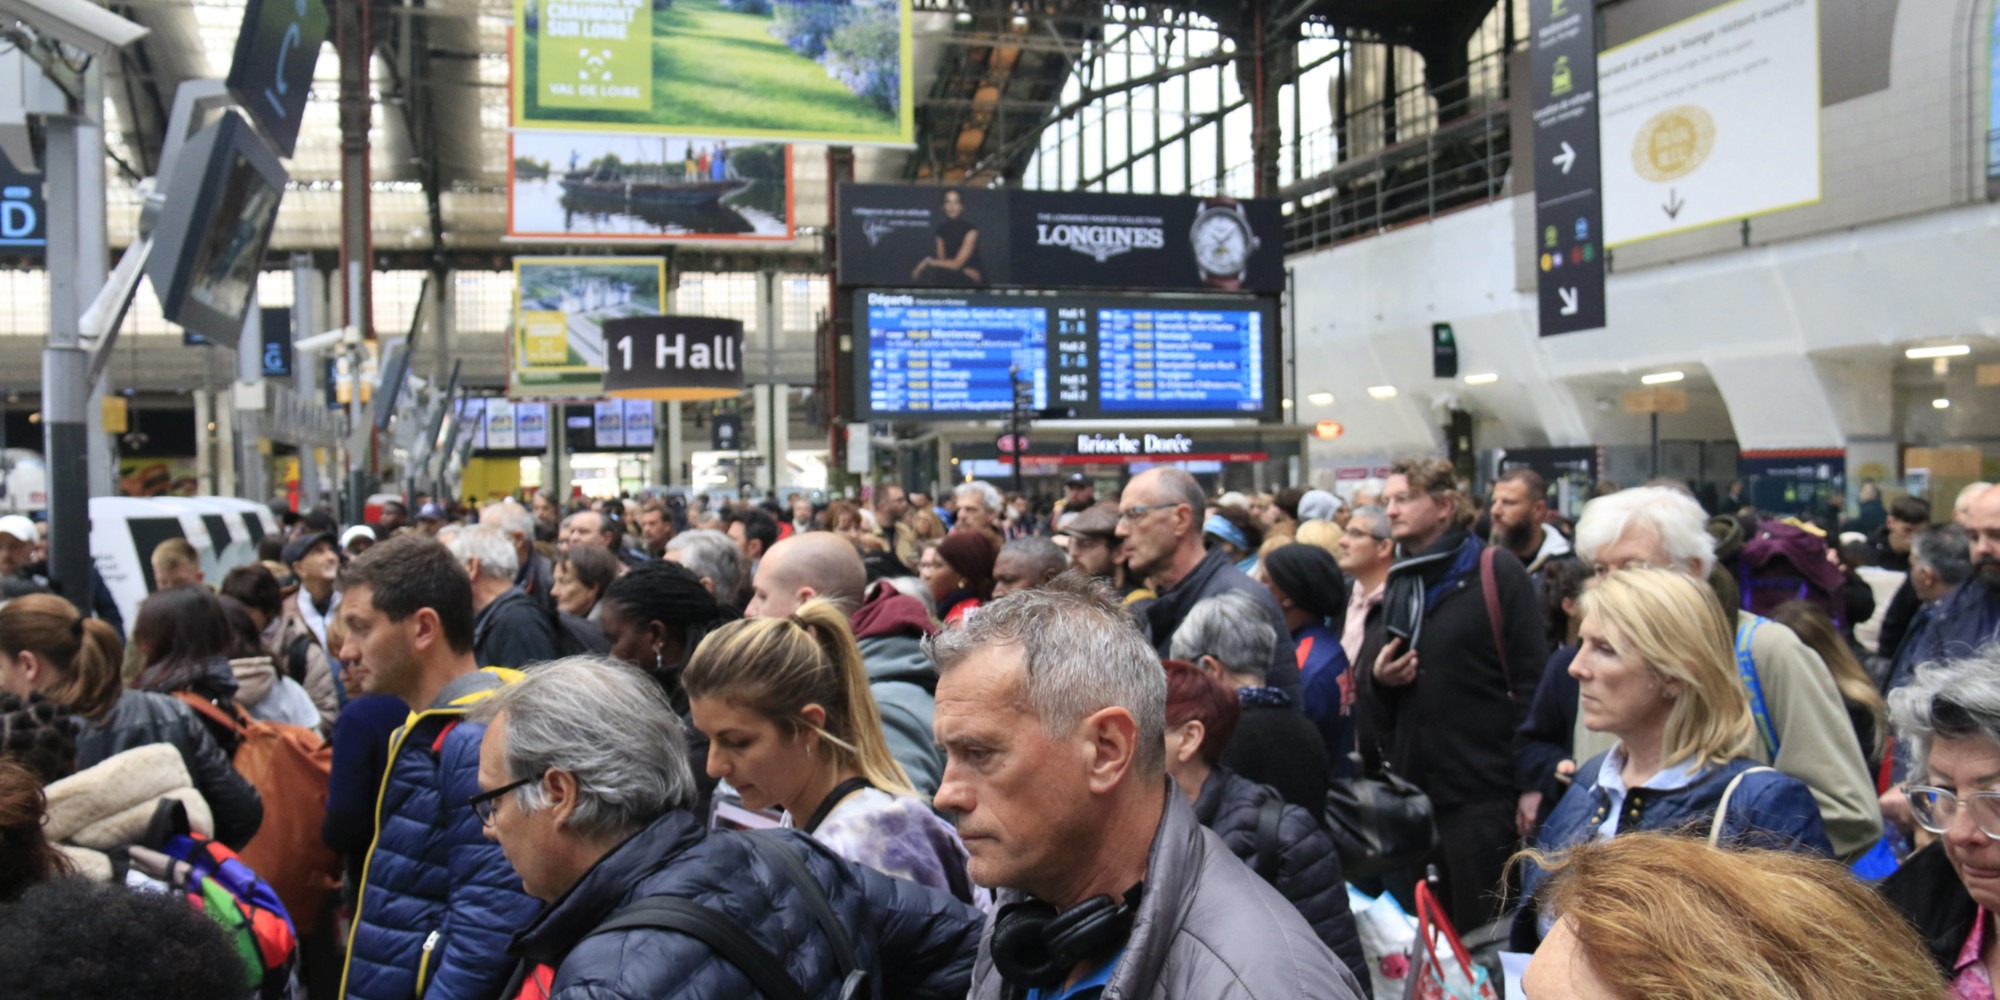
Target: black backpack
<point>296,656</point>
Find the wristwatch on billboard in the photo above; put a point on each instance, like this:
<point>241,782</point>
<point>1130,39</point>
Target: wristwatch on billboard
<point>1222,242</point>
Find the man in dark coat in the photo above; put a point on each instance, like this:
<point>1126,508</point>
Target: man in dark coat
<point>509,629</point>
<point>584,782</point>
<point>1443,714</point>
<point>1160,518</point>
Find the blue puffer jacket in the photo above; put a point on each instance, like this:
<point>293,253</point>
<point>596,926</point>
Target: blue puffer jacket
<point>1308,873</point>
<point>920,942</point>
<point>1769,809</point>
<point>438,901</point>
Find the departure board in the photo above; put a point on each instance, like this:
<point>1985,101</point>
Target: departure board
<point>944,354</point>
<point>930,357</point>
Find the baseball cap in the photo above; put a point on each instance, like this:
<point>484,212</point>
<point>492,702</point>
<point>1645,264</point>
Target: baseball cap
<point>358,531</point>
<point>297,548</point>
<point>1318,505</point>
<point>20,527</point>
<point>432,511</point>
<point>1100,521</point>
<point>1078,479</point>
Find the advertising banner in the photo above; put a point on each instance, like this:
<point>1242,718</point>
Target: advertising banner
<point>610,424</point>
<point>673,357</point>
<point>638,423</point>
<point>900,235</point>
<point>1712,119</point>
<point>531,425</point>
<point>574,187</point>
<point>500,425</point>
<point>1568,237</point>
<point>560,308</point>
<point>835,71</point>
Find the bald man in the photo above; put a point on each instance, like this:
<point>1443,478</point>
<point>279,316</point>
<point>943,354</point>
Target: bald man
<point>889,626</point>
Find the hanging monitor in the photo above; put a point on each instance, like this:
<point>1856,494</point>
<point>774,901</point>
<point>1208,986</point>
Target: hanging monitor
<point>221,204</point>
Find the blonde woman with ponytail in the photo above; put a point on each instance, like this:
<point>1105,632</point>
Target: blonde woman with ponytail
<point>791,724</point>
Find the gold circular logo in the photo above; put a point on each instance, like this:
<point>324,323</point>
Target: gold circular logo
<point>1673,143</point>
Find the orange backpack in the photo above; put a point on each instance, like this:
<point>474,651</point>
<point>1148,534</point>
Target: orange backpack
<point>290,768</point>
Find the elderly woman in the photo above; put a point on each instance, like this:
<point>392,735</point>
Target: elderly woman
<point>1282,842</point>
<point>1228,638</point>
<point>1949,718</point>
<point>582,575</point>
<point>1651,915</point>
<point>1656,671</point>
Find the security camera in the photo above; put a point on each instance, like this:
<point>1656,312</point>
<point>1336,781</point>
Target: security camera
<point>345,336</point>
<point>77,23</point>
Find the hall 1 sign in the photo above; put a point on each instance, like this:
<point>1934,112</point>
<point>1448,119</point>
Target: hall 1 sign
<point>1568,241</point>
<point>673,357</point>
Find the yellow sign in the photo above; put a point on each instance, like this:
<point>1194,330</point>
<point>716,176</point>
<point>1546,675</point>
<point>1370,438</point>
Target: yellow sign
<point>1673,143</point>
<point>545,336</point>
<point>1656,401</point>
<point>117,415</point>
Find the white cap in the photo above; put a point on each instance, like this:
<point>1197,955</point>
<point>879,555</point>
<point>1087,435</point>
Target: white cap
<point>21,528</point>
<point>358,531</point>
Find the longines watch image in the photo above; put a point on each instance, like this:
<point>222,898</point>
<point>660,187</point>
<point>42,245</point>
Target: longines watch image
<point>1222,242</point>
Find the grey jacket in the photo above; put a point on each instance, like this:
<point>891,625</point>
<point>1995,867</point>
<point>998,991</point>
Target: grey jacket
<point>1208,928</point>
<point>897,672</point>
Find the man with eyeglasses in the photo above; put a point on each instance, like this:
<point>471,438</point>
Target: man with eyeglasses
<point>1809,735</point>
<point>438,903</point>
<point>1160,517</point>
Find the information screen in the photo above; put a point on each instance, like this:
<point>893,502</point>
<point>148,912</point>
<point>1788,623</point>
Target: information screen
<point>945,355</point>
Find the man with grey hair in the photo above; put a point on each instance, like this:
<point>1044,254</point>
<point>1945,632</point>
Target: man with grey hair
<point>714,558</point>
<point>977,508</point>
<point>508,629</point>
<point>1160,515</point>
<point>536,577</point>
<point>1226,638</point>
<point>584,782</point>
<point>1792,692</point>
<point>1968,617</point>
<point>1052,713</point>
<point>1026,563</point>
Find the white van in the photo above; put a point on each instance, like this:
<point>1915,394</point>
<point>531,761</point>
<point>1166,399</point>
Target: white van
<point>124,531</point>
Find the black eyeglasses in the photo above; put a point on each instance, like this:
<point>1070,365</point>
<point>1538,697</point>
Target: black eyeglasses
<point>484,803</point>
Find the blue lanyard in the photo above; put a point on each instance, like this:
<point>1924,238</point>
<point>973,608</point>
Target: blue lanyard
<point>1746,666</point>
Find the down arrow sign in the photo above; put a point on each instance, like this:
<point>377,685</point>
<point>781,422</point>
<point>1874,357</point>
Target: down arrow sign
<point>1565,159</point>
<point>1674,204</point>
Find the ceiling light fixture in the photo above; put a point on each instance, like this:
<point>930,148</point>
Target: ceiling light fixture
<point>1320,398</point>
<point>1483,378</point>
<point>1662,378</point>
<point>1285,403</point>
<point>1382,391</point>
<point>1940,404</point>
<point>1947,351</point>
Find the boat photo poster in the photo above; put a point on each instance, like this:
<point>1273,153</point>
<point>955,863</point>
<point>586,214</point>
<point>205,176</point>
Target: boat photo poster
<point>560,307</point>
<point>832,71</point>
<point>613,187</point>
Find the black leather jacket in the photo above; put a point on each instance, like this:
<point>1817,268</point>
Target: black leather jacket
<point>142,718</point>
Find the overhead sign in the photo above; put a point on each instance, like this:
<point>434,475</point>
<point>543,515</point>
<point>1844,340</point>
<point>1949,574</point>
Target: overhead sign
<point>276,52</point>
<point>24,228</point>
<point>1569,211</point>
<point>1656,401</point>
<point>561,305</point>
<point>673,358</point>
<point>726,432</point>
<point>895,234</point>
<point>814,71</point>
<point>573,187</point>
<point>1712,119</point>
<point>1444,351</point>
<point>275,326</point>
<point>609,423</point>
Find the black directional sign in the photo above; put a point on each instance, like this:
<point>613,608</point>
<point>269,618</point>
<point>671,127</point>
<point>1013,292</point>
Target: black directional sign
<point>1569,202</point>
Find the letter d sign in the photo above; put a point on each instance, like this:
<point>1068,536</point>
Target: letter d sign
<point>17,215</point>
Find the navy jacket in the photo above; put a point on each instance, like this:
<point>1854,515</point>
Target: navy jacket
<point>920,942</point>
<point>1956,625</point>
<point>1769,809</point>
<point>438,901</point>
<point>1545,739</point>
<point>514,631</point>
<point>1308,874</point>
<point>1216,574</point>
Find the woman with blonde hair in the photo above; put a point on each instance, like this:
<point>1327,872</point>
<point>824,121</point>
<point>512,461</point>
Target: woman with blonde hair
<point>1655,917</point>
<point>1656,669</point>
<point>791,723</point>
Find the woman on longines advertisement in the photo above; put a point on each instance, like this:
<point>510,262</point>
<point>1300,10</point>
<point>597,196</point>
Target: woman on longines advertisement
<point>956,241</point>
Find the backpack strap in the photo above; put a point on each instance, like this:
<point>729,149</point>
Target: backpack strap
<point>209,710</point>
<point>773,848</point>
<point>765,971</point>
<point>296,656</point>
<point>1746,667</point>
<point>1490,588</point>
<point>1269,814</point>
<point>1722,807</point>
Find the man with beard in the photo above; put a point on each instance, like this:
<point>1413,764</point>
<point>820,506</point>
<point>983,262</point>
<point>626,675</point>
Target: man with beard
<point>1520,498</point>
<point>1968,617</point>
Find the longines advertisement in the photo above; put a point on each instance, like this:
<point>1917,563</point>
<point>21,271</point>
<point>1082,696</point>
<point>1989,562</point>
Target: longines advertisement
<point>898,235</point>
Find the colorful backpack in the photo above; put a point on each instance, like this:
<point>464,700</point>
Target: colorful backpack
<point>217,883</point>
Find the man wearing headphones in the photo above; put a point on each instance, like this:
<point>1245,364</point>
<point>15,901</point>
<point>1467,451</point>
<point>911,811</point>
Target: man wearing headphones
<point>1051,707</point>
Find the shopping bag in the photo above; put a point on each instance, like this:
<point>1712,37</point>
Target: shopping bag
<point>1440,967</point>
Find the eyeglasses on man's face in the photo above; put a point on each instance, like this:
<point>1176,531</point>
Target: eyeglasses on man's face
<point>485,803</point>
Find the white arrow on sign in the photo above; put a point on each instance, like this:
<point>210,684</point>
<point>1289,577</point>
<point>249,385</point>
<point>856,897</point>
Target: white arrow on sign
<point>1568,296</point>
<point>1565,159</point>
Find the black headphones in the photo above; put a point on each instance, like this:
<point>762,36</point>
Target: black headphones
<point>1035,946</point>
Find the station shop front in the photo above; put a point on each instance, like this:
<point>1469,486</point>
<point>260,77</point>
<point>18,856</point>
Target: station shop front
<point>1222,459</point>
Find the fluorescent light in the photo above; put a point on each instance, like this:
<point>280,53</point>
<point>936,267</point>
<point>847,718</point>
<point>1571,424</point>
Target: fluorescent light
<point>964,17</point>
<point>1662,378</point>
<point>1940,404</point>
<point>1286,402</point>
<point>1483,378</point>
<point>1320,398</point>
<point>1382,391</point>
<point>1947,351</point>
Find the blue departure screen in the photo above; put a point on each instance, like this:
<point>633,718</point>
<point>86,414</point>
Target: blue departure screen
<point>1180,359</point>
<point>928,356</point>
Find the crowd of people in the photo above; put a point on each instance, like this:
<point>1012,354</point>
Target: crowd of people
<point>966,745</point>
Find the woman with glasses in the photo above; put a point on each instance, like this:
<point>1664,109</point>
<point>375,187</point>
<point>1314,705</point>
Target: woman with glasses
<point>1656,668</point>
<point>1949,718</point>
